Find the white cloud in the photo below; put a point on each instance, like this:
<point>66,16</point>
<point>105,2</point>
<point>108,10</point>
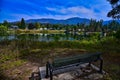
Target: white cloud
<point>79,10</point>
<point>101,10</point>
<point>75,11</point>
<point>51,9</point>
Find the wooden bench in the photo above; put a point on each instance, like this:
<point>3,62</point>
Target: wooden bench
<point>63,63</point>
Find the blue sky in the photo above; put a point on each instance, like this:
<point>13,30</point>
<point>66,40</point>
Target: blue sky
<point>14,10</point>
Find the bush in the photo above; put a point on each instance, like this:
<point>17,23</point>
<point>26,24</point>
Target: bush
<point>95,35</point>
<point>117,35</point>
<point>3,30</point>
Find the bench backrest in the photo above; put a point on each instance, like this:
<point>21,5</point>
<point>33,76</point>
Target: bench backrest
<point>83,58</point>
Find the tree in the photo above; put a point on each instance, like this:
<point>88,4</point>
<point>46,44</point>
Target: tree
<point>43,27</point>
<point>55,26</point>
<point>92,25</point>
<point>37,25</point>
<point>114,25</point>
<point>6,23</point>
<point>18,24</point>
<point>31,26</point>
<point>47,25</point>
<point>115,12</point>
<point>22,24</point>
<point>117,35</point>
<point>99,26</point>
<point>3,30</point>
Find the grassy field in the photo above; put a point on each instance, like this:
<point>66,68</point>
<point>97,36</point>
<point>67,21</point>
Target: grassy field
<point>38,31</point>
<point>19,58</point>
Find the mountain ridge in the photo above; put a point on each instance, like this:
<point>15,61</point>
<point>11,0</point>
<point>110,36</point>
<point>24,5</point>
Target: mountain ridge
<point>73,20</point>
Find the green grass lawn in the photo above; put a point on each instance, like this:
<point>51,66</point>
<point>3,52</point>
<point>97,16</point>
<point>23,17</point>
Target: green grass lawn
<point>38,31</point>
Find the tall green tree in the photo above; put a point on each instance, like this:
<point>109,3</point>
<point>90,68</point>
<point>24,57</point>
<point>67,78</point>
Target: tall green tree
<point>48,26</point>
<point>55,26</point>
<point>22,24</point>
<point>115,12</point>
<point>99,25</point>
<point>37,25</point>
<point>31,26</point>
<point>18,24</point>
<point>92,25</point>
<point>114,25</point>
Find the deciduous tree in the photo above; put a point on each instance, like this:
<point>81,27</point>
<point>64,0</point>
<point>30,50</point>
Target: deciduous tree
<point>3,30</point>
<point>115,12</point>
<point>37,25</point>
<point>31,26</point>
<point>6,23</point>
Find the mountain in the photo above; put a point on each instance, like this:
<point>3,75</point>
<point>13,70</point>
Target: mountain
<point>107,22</point>
<point>73,20</point>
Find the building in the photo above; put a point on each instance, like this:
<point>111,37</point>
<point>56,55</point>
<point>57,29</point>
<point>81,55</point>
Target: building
<point>13,27</point>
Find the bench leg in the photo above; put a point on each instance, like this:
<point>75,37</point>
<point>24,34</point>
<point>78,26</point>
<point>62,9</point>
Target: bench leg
<point>101,65</point>
<point>89,64</point>
<point>39,76</point>
<point>51,75</point>
<point>33,77</point>
<point>47,68</point>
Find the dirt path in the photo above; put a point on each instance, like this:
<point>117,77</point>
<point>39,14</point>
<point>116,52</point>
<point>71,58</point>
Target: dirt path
<point>23,72</point>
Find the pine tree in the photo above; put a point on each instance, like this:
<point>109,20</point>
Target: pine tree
<point>22,24</point>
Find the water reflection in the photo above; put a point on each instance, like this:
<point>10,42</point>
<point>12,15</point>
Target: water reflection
<point>43,37</point>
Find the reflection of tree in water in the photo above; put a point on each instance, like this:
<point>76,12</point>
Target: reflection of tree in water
<point>21,37</point>
<point>67,36</point>
<point>31,37</point>
<point>73,36</point>
<point>3,37</point>
<point>6,36</point>
<point>44,37</point>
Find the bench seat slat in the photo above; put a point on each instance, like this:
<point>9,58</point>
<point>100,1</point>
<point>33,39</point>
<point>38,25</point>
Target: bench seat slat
<point>75,59</point>
<point>78,56</point>
<point>58,65</point>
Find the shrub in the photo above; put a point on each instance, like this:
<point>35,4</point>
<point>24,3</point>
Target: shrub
<point>117,35</point>
<point>3,30</point>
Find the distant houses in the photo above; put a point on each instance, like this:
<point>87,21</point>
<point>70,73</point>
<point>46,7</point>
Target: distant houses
<point>13,27</point>
<point>43,29</point>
